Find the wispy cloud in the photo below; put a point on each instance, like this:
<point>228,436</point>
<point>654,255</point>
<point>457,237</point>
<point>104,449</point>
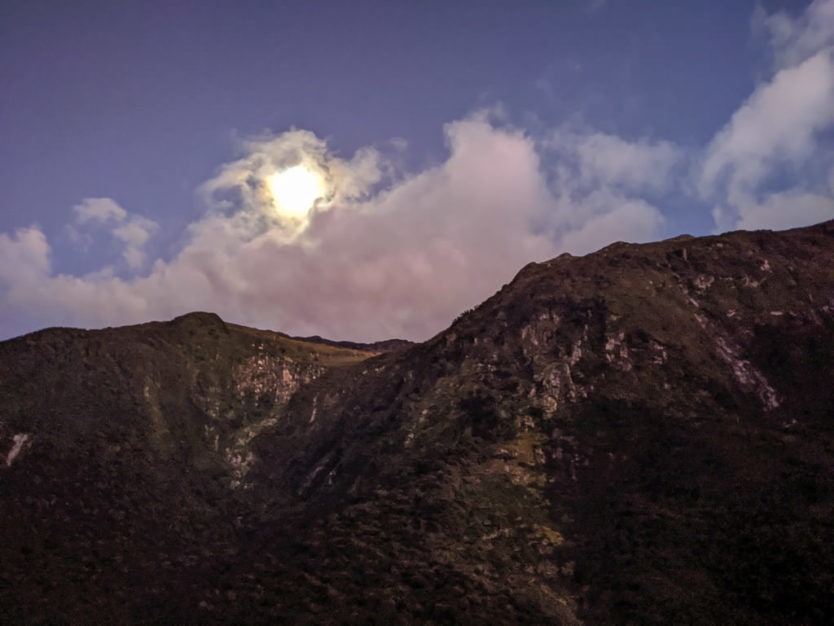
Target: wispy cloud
<point>133,231</point>
<point>602,160</point>
<point>794,39</point>
<point>779,131</point>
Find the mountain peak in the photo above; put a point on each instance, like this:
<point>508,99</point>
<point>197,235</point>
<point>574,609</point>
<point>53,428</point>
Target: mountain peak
<point>642,434</point>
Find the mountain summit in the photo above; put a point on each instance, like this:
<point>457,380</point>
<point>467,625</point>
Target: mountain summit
<point>644,434</point>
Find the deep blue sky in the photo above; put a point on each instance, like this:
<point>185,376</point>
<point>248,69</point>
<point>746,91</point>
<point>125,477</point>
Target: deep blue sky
<point>138,100</point>
<point>142,102</point>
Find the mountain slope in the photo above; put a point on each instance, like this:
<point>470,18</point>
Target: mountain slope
<point>642,434</point>
<point>128,448</point>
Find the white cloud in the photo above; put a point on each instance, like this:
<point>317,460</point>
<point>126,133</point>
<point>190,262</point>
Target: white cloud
<point>767,167</point>
<point>795,39</point>
<point>631,220</point>
<point>777,145</point>
<point>132,230</point>
<point>135,234</point>
<point>382,256</point>
<point>788,209</point>
<point>24,259</point>
<point>776,126</point>
<point>601,181</point>
<point>241,183</point>
<point>605,160</point>
<point>100,210</point>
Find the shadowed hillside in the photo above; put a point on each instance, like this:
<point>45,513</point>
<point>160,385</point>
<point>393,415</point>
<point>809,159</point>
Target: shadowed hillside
<point>643,434</point>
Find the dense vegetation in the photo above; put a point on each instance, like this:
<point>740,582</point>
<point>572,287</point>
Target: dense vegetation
<point>640,435</point>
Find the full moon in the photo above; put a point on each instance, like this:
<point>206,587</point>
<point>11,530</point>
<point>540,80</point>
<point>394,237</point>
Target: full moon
<point>296,190</point>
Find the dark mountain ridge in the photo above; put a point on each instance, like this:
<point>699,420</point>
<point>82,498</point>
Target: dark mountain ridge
<point>643,434</point>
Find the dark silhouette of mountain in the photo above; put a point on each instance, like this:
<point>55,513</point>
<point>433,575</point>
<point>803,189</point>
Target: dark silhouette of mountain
<point>640,435</point>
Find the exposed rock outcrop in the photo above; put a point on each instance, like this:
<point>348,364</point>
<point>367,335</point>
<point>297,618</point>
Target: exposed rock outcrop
<point>641,435</point>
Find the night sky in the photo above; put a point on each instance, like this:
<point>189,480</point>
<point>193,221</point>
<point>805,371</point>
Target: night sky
<point>438,147</point>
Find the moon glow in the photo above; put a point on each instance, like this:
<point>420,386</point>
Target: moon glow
<point>295,190</point>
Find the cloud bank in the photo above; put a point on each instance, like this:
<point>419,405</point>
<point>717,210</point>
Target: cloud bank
<point>386,253</point>
<point>782,131</point>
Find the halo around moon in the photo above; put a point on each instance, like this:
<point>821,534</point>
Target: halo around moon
<point>295,190</point>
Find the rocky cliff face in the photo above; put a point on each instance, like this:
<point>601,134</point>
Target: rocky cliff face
<point>643,434</point>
